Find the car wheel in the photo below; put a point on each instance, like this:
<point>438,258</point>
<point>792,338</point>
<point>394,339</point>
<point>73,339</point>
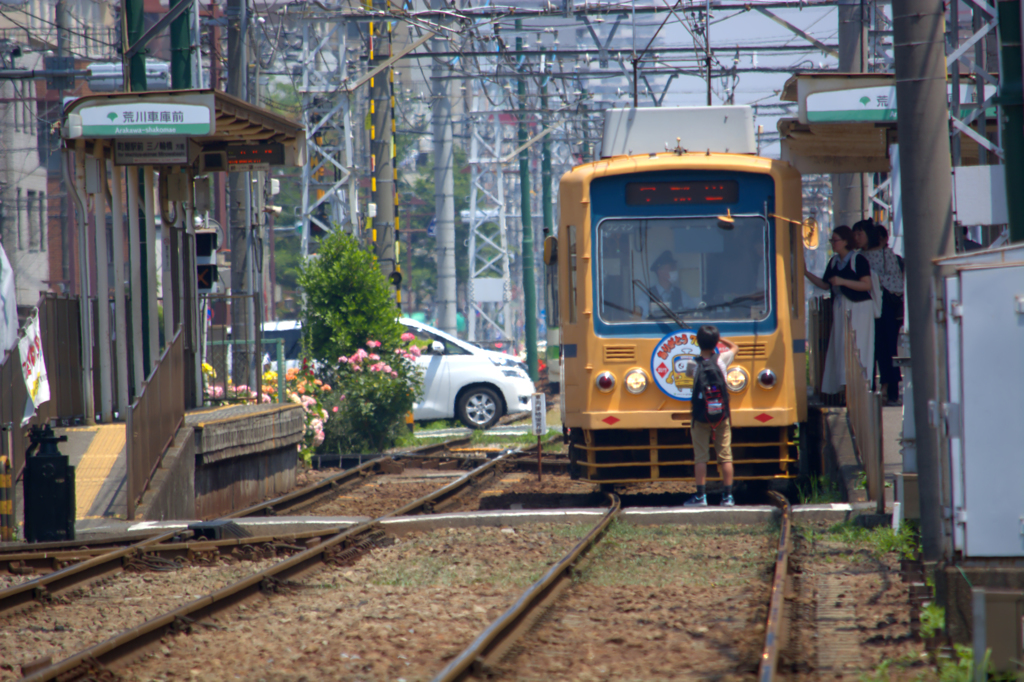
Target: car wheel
<point>478,407</point>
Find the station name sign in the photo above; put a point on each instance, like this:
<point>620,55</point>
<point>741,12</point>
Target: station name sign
<point>143,118</point>
<point>143,152</point>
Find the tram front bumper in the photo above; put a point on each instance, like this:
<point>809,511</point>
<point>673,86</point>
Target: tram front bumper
<point>665,419</point>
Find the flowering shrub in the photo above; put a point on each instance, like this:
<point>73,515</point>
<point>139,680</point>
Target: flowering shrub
<point>375,389</point>
<point>305,389</point>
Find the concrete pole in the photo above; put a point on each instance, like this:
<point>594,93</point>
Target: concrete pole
<point>922,117</point>
<point>76,185</point>
<point>526,209</point>
<point>167,271</point>
<point>382,167</point>
<point>120,316</point>
<point>138,322</point>
<point>149,292</point>
<point>102,288</point>
<point>238,189</point>
<point>444,193</point>
<point>851,192</point>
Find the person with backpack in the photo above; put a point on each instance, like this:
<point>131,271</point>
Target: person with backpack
<point>848,275</point>
<point>710,414</point>
<point>873,241</point>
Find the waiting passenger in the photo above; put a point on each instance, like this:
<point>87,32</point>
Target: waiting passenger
<point>666,289</point>
<point>710,414</point>
<point>873,241</point>
<point>848,275</point>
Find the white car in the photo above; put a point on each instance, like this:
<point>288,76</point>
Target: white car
<point>462,380</point>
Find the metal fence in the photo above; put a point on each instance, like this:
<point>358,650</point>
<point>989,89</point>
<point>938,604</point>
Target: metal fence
<point>236,360</point>
<point>154,418</point>
<point>819,331</point>
<point>215,386</point>
<point>864,412</point>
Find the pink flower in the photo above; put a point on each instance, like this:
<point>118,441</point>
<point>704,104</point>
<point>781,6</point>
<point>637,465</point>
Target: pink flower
<point>408,336</point>
<point>377,367</point>
<point>357,357</point>
<point>394,374</point>
<point>318,438</point>
<point>357,368</point>
<point>373,344</point>
<point>373,356</point>
<point>335,408</point>
<point>266,398</point>
<point>342,358</point>
<point>399,351</point>
<point>415,350</point>
<point>387,368</point>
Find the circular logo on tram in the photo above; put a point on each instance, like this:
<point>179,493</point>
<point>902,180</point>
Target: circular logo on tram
<point>669,363</point>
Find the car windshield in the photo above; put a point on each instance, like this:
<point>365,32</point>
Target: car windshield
<point>292,341</point>
<point>689,265</point>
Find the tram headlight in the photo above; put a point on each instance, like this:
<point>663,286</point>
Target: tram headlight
<point>736,379</point>
<point>636,381</point>
<point>605,382</point>
<point>766,378</point>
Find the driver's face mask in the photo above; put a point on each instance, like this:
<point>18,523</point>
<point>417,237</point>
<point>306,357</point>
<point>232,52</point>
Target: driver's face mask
<point>673,277</point>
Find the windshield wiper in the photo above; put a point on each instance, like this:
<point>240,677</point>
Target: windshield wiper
<point>726,304</point>
<point>664,306</point>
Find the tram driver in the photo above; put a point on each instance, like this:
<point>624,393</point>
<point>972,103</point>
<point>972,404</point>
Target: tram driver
<point>665,269</point>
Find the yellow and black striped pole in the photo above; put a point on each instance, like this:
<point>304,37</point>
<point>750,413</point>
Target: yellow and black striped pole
<point>383,172</point>
<point>6,501</point>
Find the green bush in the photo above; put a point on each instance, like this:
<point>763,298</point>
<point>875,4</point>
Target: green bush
<point>347,301</point>
<point>372,393</point>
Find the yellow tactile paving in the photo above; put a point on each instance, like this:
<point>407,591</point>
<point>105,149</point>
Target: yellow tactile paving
<point>96,464</point>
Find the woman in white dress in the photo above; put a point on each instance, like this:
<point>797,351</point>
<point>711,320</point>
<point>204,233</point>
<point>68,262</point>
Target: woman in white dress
<point>848,275</point>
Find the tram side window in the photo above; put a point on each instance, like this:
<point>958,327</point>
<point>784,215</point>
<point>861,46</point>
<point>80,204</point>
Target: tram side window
<point>572,274</point>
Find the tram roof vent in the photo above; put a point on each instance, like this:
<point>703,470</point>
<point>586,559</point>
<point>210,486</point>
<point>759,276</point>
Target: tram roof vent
<point>699,129</point>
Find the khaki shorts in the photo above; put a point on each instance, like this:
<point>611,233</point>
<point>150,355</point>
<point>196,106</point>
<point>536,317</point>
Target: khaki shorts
<point>700,432</point>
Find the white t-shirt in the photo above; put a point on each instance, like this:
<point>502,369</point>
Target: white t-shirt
<point>724,359</point>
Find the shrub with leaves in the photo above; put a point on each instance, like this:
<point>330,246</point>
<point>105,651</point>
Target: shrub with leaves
<point>347,301</point>
<point>374,390</point>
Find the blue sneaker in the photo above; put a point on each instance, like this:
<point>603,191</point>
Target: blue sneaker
<point>727,501</point>
<point>697,501</point>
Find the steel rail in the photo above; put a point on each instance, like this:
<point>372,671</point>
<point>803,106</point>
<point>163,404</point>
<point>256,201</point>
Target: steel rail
<point>129,642</point>
<point>490,645</point>
<point>22,595</point>
<point>775,630</point>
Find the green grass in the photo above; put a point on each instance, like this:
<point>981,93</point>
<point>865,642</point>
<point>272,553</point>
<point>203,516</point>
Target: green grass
<point>933,620</point>
<point>876,541</point>
<point>819,490</point>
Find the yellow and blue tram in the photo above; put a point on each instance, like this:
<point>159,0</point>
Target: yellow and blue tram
<point>716,239</point>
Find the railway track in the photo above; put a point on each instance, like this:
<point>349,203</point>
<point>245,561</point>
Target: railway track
<point>483,658</point>
<point>73,569</point>
<point>338,547</point>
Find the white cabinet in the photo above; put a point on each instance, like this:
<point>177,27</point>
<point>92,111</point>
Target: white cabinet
<point>985,412</point>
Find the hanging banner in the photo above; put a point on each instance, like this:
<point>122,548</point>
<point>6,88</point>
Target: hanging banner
<point>8,306</point>
<point>33,369</point>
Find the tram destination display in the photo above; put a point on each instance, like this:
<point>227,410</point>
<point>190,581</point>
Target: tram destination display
<point>700,192</point>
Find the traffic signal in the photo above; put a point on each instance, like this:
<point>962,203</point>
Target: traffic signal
<point>206,261</point>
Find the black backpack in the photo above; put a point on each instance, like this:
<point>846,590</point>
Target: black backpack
<point>710,401</point>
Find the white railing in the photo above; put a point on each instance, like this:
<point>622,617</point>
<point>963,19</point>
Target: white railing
<point>864,412</point>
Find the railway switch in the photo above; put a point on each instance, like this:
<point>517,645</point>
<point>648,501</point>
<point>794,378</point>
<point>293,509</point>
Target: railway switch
<point>49,489</point>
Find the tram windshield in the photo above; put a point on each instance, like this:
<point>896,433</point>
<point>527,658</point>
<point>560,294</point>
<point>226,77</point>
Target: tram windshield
<point>689,265</point>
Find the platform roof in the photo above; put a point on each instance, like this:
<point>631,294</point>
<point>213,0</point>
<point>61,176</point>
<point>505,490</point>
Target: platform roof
<point>208,118</point>
<point>845,123</point>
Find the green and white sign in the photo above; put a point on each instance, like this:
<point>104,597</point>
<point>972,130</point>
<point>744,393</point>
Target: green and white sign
<point>872,104</point>
<point>858,104</point>
<point>145,118</point>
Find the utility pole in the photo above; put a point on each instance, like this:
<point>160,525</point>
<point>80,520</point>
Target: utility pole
<point>382,165</point>
<point>549,222</point>
<point>239,190</point>
<point>529,283</point>
<point>1011,92</point>
<point>923,120</point>
<point>850,191</point>
<point>444,192</point>
<point>181,50</point>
